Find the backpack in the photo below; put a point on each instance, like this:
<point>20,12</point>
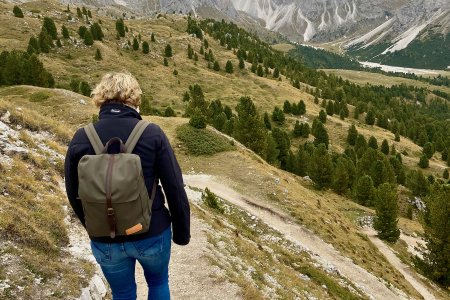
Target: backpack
<point>112,188</point>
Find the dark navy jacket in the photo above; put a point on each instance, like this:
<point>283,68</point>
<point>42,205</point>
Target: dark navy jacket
<point>158,162</point>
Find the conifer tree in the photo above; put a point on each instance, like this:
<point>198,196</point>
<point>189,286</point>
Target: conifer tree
<point>267,121</point>
<point>320,167</point>
<point>216,66</point>
<point>373,143</point>
<point>190,51</point>
<point>276,73</point>
<point>278,116</point>
<point>330,108</point>
<point>89,14</point>
<point>229,67</point>
<point>272,152</point>
<point>96,31</point>
<point>88,39</point>
<point>79,14</point>
<point>241,63</point>
<point>352,134</point>
<point>120,27</point>
<point>363,190</point>
<point>152,37</point>
<point>84,10</point>
<point>98,55</point>
<point>283,144</point>
<point>82,31</point>
<point>197,100</point>
<point>423,162</point>
<point>17,12</point>
<point>385,147</point>
<point>387,213</point>
<point>45,42</point>
<point>50,26</point>
<point>301,107</point>
<point>417,183</point>
<point>219,121</point>
<point>145,47</point>
<point>169,112</point>
<point>340,178</point>
<point>250,129</point>
<point>287,108</point>
<point>323,116</point>
<point>65,32</point>
<point>195,57</point>
<point>302,158</point>
<point>166,62</point>
<point>360,143</point>
<point>135,44</point>
<point>321,135</point>
<point>436,260</point>
<point>33,45</point>
<point>397,137</point>
<point>428,149</point>
<point>145,108</point>
<point>445,174</point>
<point>58,43</point>
<point>168,51</point>
<point>260,71</point>
<point>370,117</point>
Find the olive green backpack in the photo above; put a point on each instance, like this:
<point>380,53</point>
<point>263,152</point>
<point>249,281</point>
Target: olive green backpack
<point>112,188</point>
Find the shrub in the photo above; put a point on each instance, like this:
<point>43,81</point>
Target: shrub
<point>211,200</point>
<point>202,141</point>
<point>17,12</point>
<point>39,96</point>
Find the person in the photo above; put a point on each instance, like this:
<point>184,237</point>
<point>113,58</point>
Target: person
<point>118,96</point>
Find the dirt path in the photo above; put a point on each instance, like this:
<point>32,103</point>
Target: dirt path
<point>324,253</point>
<point>396,262</point>
<point>191,275</point>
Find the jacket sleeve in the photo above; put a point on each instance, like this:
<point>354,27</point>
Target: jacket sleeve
<point>170,175</point>
<point>71,180</point>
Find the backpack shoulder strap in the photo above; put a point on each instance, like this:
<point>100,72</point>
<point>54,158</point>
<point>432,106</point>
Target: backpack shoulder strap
<point>94,139</point>
<point>135,135</point>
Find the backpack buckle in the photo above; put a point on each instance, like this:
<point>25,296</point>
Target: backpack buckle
<point>110,211</point>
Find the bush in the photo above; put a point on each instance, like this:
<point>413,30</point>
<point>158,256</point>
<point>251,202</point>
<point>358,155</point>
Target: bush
<point>39,96</point>
<point>211,200</point>
<point>202,141</point>
<point>169,112</point>
<point>17,12</point>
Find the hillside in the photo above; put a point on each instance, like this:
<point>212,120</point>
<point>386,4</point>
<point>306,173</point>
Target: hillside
<point>248,246</point>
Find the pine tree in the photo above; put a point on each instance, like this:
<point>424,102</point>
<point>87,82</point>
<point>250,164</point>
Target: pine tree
<point>423,162</point>
<point>152,37</point>
<point>373,143</point>
<point>168,51</point>
<point>340,178</point>
<point>330,108</point>
<point>298,129</point>
<point>360,143</point>
<point>98,55</point>
<point>216,66</point>
<point>96,31</point>
<point>145,47</point>
<point>195,57</point>
<point>65,32</point>
<point>241,63</point>
<point>50,26</point>
<point>428,149</point>
<point>272,152</point>
<point>323,116</point>
<point>445,174</point>
<point>417,183</point>
<point>363,191</point>
<point>17,12</point>
<point>436,260</point>
<point>120,27</point>
<point>276,73</point>
<point>250,129</point>
<point>267,121</point>
<point>397,137</point>
<point>166,62</point>
<point>387,213</point>
<point>84,10</point>
<point>301,107</point>
<point>145,108</point>
<point>169,112</point>
<point>305,130</point>
<point>370,117</point>
<point>74,85</point>
<point>135,44</point>
<point>45,42</point>
<point>190,51</point>
<point>88,39</point>
<point>33,45</point>
<point>82,31</point>
<point>385,147</point>
<point>278,116</point>
<point>219,121</point>
<point>197,100</point>
<point>260,71</point>
<point>287,108</point>
<point>321,135</point>
<point>79,14</point>
<point>320,167</point>
<point>89,14</point>
<point>352,134</point>
<point>229,67</point>
<point>58,43</point>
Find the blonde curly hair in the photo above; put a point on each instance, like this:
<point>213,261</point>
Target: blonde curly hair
<point>117,88</point>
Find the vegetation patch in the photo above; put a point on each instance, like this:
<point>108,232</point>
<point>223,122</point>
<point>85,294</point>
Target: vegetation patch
<point>202,141</point>
<point>39,96</point>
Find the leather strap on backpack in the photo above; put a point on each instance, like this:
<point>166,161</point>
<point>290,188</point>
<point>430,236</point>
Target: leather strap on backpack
<point>109,209</point>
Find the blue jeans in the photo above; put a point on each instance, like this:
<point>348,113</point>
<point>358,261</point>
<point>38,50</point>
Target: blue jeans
<point>118,262</point>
